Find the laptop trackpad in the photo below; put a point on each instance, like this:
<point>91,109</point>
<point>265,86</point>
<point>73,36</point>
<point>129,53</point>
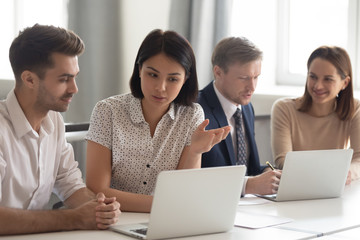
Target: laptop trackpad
<point>142,231</point>
<point>135,230</point>
<point>271,197</point>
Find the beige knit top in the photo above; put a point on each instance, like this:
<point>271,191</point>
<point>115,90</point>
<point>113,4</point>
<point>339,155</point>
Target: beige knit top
<point>292,130</point>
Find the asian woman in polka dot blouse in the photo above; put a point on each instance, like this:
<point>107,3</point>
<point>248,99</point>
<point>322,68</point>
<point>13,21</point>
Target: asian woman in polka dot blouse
<point>156,127</point>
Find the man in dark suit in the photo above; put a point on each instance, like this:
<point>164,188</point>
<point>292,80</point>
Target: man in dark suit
<point>236,67</point>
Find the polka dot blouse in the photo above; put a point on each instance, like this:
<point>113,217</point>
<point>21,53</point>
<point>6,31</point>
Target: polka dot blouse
<point>137,158</point>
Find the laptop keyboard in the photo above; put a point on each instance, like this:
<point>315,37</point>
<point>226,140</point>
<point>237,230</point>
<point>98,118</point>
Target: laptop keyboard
<point>142,231</point>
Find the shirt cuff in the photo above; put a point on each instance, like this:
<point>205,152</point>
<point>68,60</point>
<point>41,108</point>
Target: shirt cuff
<point>244,186</point>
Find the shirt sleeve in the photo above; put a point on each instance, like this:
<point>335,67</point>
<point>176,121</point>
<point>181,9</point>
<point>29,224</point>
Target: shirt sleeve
<point>197,119</point>
<point>69,177</point>
<point>244,186</point>
<point>355,143</point>
<point>281,142</point>
<point>2,166</point>
<point>100,130</point>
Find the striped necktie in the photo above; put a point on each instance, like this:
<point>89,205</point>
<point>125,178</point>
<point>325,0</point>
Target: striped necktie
<point>240,137</point>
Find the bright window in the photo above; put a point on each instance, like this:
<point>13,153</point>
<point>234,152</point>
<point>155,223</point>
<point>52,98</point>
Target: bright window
<point>256,20</point>
<point>308,24</point>
<point>19,14</point>
<point>289,30</point>
<point>310,28</point>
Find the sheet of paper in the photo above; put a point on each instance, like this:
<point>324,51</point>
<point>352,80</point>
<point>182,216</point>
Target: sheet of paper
<point>250,199</point>
<point>250,220</point>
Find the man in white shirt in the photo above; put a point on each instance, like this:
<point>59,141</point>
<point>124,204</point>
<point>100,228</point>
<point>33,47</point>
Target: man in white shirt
<point>236,67</point>
<point>35,158</point>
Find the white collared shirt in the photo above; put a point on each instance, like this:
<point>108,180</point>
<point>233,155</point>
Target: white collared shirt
<point>229,110</point>
<point>33,165</point>
<point>137,157</point>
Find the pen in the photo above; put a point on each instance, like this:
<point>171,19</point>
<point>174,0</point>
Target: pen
<point>270,166</point>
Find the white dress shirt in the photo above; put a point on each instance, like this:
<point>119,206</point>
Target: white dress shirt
<point>229,110</point>
<point>33,165</point>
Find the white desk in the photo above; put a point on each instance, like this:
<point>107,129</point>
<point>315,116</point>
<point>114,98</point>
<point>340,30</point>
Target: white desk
<point>235,234</point>
<point>335,218</point>
<point>324,216</point>
<point>351,234</point>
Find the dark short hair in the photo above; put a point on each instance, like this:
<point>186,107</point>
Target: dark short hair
<point>234,49</point>
<point>175,47</point>
<point>32,50</point>
<point>337,56</point>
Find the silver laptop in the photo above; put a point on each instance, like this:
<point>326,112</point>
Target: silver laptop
<point>313,174</point>
<point>191,202</point>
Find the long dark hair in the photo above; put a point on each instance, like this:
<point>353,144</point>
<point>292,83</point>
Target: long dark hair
<point>176,47</point>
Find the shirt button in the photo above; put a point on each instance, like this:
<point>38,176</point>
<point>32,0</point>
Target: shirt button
<point>144,183</point>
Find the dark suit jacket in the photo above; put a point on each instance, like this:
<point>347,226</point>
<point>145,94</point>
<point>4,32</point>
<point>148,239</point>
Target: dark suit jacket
<point>222,154</point>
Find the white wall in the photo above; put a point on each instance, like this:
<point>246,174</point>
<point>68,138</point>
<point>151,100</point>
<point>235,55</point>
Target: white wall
<point>262,102</point>
<point>136,23</point>
<point>5,87</point>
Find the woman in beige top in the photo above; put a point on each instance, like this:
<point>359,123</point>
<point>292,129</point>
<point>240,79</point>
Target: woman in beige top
<point>326,117</point>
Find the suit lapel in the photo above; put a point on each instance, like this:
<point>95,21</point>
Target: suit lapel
<point>220,117</point>
<point>247,118</point>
